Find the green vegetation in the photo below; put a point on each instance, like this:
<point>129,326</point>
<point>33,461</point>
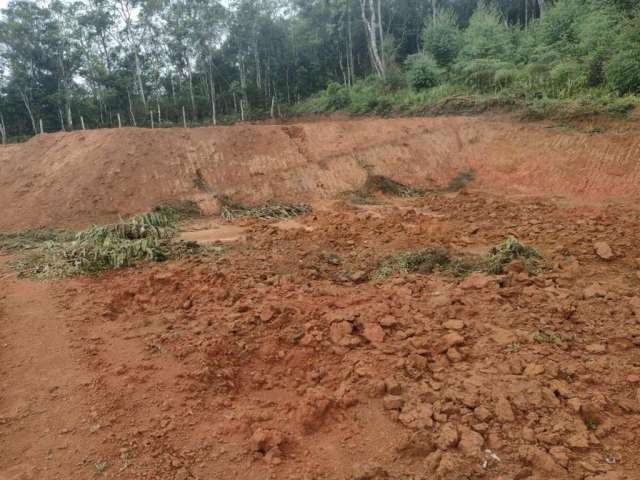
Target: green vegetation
<point>223,61</point>
<point>511,249</point>
<point>60,253</point>
<point>33,238</point>
<point>421,261</point>
<point>581,57</point>
<point>440,259</point>
<point>271,210</point>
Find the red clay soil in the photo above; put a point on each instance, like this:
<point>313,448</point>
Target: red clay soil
<point>73,179</point>
<point>282,356</point>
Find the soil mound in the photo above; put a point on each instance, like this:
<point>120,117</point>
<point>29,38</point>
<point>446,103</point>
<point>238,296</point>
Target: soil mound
<point>73,179</point>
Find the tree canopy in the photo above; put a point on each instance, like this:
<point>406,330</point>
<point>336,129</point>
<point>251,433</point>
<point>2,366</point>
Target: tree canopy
<point>205,61</point>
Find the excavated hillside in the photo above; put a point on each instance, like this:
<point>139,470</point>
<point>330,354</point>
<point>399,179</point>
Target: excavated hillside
<point>487,332</point>
<point>73,179</point>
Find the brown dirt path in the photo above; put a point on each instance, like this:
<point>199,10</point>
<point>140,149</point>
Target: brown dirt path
<point>44,426</point>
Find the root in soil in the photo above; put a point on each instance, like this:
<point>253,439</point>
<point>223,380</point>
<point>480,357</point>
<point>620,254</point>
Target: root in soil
<point>271,210</point>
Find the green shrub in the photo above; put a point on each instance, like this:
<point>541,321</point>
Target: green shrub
<point>558,27</point>
<point>487,37</point>
<point>505,77</point>
<point>337,96</point>
<point>484,74</point>
<point>423,72</point>
<point>442,38</point>
<point>567,78</point>
<point>623,71</point>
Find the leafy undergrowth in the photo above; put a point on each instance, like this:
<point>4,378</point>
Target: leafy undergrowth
<point>231,210</point>
<point>440,259</point>
<point>60,253</point>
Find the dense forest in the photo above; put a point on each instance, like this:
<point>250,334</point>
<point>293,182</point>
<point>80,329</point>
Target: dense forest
<point>97,63</point>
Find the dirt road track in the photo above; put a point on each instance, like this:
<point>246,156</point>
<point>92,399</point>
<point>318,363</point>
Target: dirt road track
<point>43,389</point>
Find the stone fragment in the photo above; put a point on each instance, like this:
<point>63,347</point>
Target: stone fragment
<point>603,250</point>
<point>470,442</point>
<point>374,333</point>
<point>503,410</point>
<point>393,402</point>
<point>448,437</point>
<point>482,413</point>
<point>447,341</point>
<point>476,281</point>
<point>454,324</point>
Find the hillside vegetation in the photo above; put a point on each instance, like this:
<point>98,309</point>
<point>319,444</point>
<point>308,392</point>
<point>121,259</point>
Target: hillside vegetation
<point>108,63</point>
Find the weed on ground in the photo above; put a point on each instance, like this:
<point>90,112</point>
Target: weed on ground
<point>511,249</point>
<point>146,237</point>
<point>33,238</point>
<point>231,210</point>
<point>440,259</point>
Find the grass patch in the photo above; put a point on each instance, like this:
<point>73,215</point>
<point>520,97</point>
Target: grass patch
<point>421,261</point>
<point>440,259</point>
<point>231,210</point>
<point>511,249</point>
<point>145,237</point>
<point>33,238</point>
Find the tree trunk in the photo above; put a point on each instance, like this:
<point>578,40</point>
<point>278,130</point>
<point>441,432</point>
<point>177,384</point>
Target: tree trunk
<point>373,30</point>
<point>212,85</point>
<point>434,11</point>
<point>3,130</point>
<point>350,45</point>
<point>139,79</point>
<point>25,100</point>
<point>69,118</point>
<point>193,99</point>
<point>133,117</point>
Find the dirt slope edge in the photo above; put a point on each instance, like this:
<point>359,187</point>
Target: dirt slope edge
<point>72,179</point>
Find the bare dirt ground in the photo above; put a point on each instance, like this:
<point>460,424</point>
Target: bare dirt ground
<point>284,357</point>
<point>74,179</point>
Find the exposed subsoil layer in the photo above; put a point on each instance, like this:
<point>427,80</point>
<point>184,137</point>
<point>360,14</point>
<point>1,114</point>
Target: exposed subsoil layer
<point>95,176</point>
<point>283,356</point>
